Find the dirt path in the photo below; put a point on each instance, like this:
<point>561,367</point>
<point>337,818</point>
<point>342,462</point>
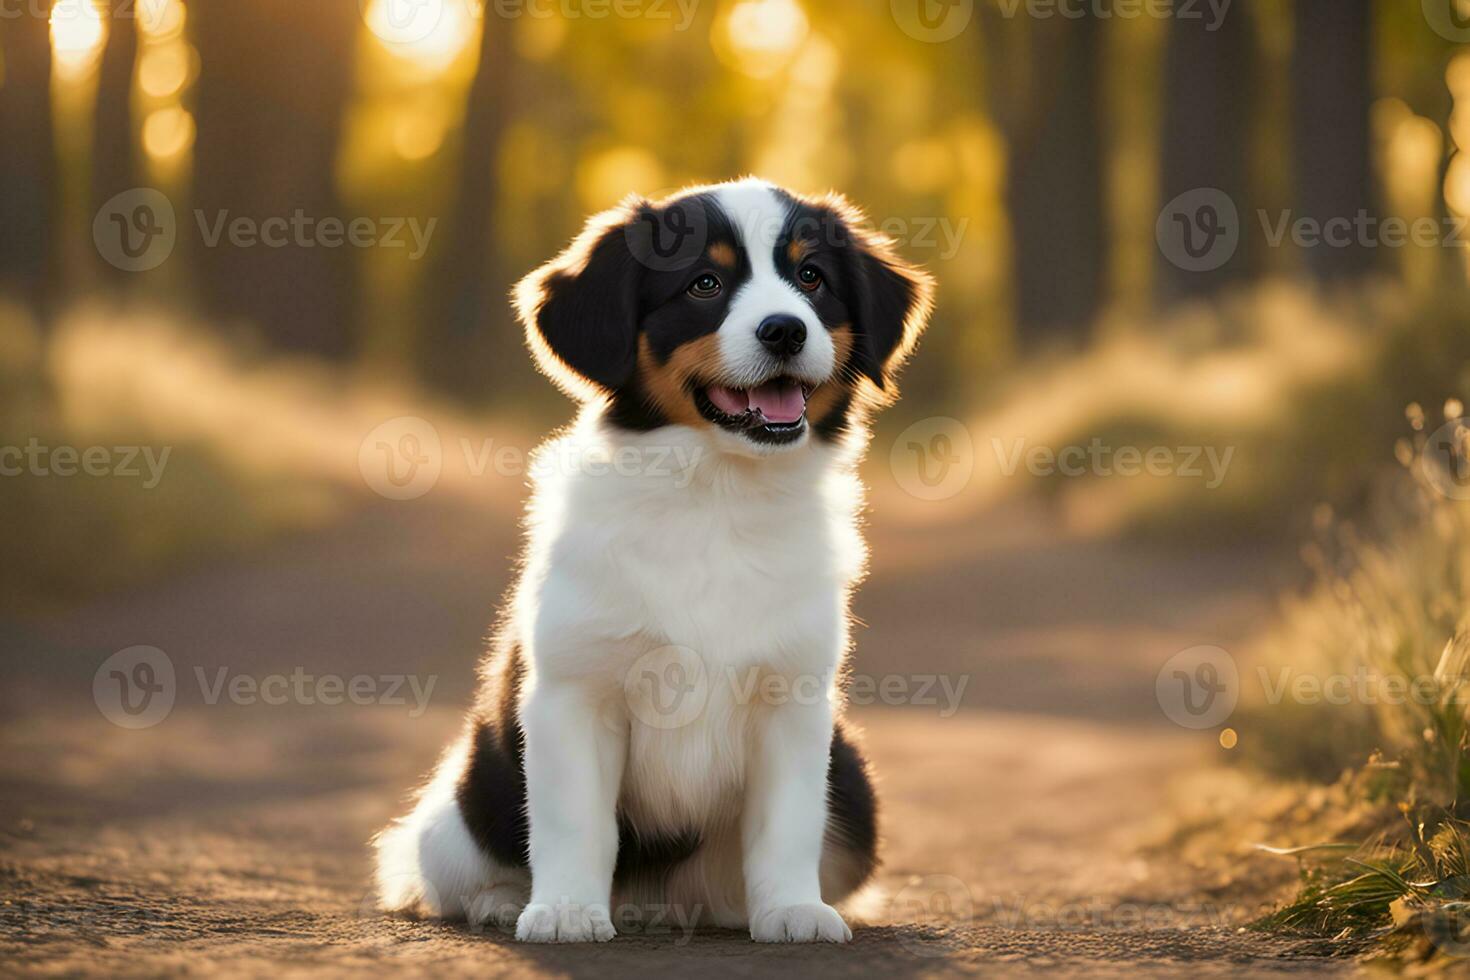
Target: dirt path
<point>231,836</point>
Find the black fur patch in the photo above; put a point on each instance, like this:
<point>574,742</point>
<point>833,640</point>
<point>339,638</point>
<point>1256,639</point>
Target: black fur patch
<point>837,421</point>
<point>667,315</point>
<point>859,287</point>
<point>852,806</point>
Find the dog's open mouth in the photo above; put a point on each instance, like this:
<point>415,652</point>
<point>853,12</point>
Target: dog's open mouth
<point>774,411</point>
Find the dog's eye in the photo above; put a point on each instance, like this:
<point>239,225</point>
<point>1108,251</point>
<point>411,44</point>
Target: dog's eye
<point>809,277</point>
<point>706,286</point>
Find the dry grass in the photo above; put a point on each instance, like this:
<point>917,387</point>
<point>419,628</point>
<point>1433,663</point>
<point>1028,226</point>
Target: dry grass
<point>257,446</point>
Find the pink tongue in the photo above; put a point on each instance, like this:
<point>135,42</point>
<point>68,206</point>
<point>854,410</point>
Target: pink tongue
<point>728,400</point>
<point>778,401</point>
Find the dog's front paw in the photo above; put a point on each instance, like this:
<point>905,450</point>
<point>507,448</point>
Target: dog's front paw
<point>565,923</point>
<point>800,924</point>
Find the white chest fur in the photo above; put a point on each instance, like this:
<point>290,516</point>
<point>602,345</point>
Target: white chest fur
<point>686,599</point>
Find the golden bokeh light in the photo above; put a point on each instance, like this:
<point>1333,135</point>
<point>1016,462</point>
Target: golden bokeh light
<point>168,133</point>
<point>1228,738</point>
<point>432,36</point>
<point>760,37</point>
<point>166,68</point>
<point>923,166</point>
<point>163,70</point>
<point>78,33</point>
<point>418,136</point>
<point>606,178</point>
<point>161,20</point>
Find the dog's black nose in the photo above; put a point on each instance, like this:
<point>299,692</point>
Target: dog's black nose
<point>782,335</point>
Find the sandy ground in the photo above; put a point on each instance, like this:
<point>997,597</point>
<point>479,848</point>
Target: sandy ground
<point>231,837</point>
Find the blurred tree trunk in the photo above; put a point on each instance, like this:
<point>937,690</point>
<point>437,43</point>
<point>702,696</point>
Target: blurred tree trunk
<point>1045,87</point>
<point>469,328</point>
<point>1208,73</point>
<point>274,81</point>
<point>27,159</point>
<point>113,159</point>
<point>1332,93</point>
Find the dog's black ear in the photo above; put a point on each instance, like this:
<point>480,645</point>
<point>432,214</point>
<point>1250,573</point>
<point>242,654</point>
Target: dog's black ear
<point>894,300</point>
<point>890,299</point>
<point>580,310</point>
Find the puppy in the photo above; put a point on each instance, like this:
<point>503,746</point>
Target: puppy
<point>658,723</point>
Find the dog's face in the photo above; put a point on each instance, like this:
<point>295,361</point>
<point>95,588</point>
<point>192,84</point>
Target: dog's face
<point>740,309</point>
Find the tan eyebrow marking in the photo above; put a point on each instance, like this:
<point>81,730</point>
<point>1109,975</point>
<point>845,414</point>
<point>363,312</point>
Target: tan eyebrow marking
<point>722,254</point>
<point>798,250</point>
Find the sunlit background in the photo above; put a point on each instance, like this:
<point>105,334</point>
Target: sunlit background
<point>1024,160</point>
<point>1125,205</point>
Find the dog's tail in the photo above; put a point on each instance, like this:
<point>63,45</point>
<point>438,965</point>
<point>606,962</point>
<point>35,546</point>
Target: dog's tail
<point>399,879</point>
<point>427,860</point>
